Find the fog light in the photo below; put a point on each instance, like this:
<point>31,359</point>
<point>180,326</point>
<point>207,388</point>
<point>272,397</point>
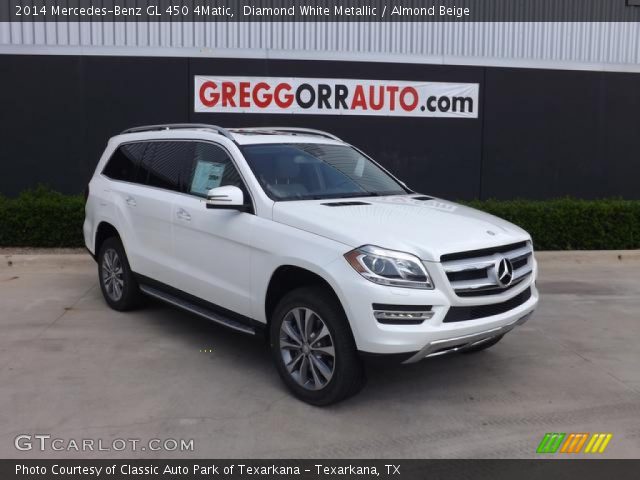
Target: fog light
<point>402,315</point>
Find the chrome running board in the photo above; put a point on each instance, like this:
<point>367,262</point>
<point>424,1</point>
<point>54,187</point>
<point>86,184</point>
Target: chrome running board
<point>456,344</point>
<point>196,309</point>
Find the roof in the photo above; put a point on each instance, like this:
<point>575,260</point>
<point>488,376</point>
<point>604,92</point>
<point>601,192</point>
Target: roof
<point>244,136</point>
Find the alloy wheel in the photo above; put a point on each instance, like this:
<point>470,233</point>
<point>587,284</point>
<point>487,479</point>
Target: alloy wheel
<point>307,348</point>
<point>112,274</point>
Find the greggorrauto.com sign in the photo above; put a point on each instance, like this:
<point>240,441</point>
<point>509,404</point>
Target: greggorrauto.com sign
<point>331,96</point>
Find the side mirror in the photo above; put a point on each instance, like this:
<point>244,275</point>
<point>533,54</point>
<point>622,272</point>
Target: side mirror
<point>226,198</point>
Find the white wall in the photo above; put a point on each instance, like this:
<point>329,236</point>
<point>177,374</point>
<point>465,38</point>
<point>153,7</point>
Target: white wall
<point>565,45</point>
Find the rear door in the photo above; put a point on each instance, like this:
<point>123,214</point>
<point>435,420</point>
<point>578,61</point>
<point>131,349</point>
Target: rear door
<point>149,206</point>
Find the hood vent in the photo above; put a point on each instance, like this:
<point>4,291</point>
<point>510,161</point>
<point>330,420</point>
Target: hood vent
<point>422,197</point>
<point>345,204</point>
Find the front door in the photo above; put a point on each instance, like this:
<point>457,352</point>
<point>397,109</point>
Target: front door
<point>213,247</point>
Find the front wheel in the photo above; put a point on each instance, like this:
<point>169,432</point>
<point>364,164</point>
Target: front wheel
<point>313,347</point>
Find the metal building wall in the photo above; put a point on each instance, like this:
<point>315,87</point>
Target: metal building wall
<point>580,45</point>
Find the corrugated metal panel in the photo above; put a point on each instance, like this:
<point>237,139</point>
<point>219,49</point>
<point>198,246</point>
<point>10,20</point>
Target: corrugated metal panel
<point>492,10</point>
<point>561,42</point>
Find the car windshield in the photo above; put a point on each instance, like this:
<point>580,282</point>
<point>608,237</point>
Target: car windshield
<point>303,171</point>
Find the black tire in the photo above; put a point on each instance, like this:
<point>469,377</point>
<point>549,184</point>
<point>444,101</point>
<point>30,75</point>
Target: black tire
<point>112,253</point>
<point>483,346</point>
<point>347,374</point>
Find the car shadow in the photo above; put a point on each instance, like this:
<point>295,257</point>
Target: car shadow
<point>245,353</point>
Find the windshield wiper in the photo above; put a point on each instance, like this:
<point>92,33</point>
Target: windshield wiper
<point>369,194</point>
<point>338,196</point>
<point>332,197</point>
<point>363,194</point>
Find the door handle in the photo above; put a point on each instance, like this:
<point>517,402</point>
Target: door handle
<point>107,193</point>
<point>130,201</point>
<point>183,214</point>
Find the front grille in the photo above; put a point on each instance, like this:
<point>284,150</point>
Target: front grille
<point>482,252</point>
<point>467,275</point>
<point>461,314</point>
<point>473,273</point>
<point>519,263</point>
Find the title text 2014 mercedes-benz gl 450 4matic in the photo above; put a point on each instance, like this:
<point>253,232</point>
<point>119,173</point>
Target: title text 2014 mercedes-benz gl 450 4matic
<point>294,234</point>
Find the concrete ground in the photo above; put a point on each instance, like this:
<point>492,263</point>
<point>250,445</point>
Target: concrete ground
<point>72,368</point>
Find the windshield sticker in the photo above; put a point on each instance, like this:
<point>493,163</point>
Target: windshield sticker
<point>208,175</point>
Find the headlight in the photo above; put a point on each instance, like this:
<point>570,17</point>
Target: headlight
<point>388,267</point>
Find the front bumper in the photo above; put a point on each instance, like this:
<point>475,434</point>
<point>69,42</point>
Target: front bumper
<point>456,344</point>
<point>410,343</point>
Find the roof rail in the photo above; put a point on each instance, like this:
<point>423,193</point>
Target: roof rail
<point>292,130</point>
<point>175,126</point>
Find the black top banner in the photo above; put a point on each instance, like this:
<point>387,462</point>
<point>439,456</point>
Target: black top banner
<point>320,10</point>
<point>321,469</point>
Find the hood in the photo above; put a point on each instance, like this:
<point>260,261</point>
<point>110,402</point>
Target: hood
<point>409,223</point>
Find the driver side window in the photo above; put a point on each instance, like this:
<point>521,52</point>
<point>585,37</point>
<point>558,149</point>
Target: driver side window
<point>212,168</point>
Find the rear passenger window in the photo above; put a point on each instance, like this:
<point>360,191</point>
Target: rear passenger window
<point>167,165</point>
<point>124,161</point>
<point>212,168</point>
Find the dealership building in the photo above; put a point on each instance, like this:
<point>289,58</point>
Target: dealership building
<point>461,110</point>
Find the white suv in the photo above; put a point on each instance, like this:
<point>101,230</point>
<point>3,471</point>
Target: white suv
<point>294,234</point>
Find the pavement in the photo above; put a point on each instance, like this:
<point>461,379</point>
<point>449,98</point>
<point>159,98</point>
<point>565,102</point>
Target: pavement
<point>74,369</point>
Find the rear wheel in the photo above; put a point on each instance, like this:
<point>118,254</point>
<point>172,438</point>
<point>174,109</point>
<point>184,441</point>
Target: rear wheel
<point>313,347</point>
<point>117,282</point>
<point>484,345</point>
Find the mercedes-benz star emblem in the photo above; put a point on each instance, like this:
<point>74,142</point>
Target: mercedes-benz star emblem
<point>504,272</point>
